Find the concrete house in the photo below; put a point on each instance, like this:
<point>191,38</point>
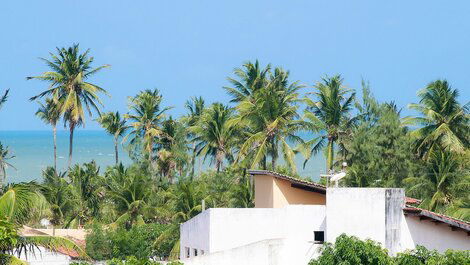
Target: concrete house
<point>293,218</point>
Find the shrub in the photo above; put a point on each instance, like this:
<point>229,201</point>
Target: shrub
<point>120,243</point>
<point>351,250</point>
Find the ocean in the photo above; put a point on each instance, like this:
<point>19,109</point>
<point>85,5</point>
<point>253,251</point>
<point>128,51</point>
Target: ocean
<point>33,151</point>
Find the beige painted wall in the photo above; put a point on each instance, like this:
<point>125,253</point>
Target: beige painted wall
<point>271,192</point>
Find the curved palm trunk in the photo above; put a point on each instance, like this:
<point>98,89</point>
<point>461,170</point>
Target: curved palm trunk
<point>54,132</point>
<point>116,150</point>
<point>330,155</point>
<point>72,128</point>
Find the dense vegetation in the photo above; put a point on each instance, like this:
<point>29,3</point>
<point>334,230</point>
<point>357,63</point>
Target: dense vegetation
<point>260,128</point>
<point>351,250</point>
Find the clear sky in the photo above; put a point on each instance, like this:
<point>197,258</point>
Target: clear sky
<point>188,48</point>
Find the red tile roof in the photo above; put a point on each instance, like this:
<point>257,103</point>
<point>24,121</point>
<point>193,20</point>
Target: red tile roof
<point>409,200</point>
<point>296,182</point>
<point>453,222</point>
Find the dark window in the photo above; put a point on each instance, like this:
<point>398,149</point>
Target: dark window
<point>319,236</point>
<point>195,252</point>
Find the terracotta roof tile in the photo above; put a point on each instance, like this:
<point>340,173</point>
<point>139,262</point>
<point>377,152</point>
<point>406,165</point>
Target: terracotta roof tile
<point>313,185</point>
<point>453,222</point>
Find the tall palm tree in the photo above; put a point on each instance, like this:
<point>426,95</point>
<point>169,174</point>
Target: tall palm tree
<point>329,115</point>
<point>172,148</point>
<point>4,98</point>
<point>146,117</point>
<point>49,113</point>
<point>214,135</point>
<point>271,121</point>
<point>68,77</point>
<point>114,125</point>
<point>445,123</point>
<point>4,164</point>
<point>250,79</point>
<point>195,107</point>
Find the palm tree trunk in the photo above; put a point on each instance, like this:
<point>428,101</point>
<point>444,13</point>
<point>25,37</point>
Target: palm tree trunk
<point>218,163</point>
<point>193,161</point>
<point>116,150</point>
<point>330,155</point>
<point>273,155</point>
<point>54,132</point>
<point>72,128</point>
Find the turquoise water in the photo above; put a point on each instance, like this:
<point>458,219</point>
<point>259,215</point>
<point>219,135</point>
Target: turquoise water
<point>33,151</point>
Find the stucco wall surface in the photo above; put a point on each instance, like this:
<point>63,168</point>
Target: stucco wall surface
<point>432,235</point>
<point>266,252</point>
<point>356,212</point>
<point>221,229</point>
<point>271,192</point>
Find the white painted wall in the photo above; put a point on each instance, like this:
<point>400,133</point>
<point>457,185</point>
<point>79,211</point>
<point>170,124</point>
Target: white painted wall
<point>229,228</point>
<point>195,233</point>
<point>285,235</point>
<point>432,235</point>
<point>356,212</point>
<point>266,252</point>
<point>45,257</point>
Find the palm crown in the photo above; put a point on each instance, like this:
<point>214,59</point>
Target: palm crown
<point>329,114</point>
<point>444,122</point>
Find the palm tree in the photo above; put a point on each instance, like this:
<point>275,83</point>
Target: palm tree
<point>195,107</point>
<point>214,135</point>
<point>146,116</point>
<point>438,183</point>
<point>329,115</point>
<point>114,125</point>
<point>49,113</point>
<point>130,192</point>
<point>4,164</point>
<point>57,191</point>
<point>68,77</point>
<point>4,98</point>
<point>251,78</point>
<point>445,123</point>
<point>271,120</point>
<point>172,148</point>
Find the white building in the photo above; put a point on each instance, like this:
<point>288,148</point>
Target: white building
<point>292,218</point>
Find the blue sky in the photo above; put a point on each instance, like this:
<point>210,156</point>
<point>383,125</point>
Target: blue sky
<point>188,48</point>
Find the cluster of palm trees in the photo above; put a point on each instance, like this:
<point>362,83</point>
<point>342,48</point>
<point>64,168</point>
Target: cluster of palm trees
<point>265,122</point>
<point>69,94</point>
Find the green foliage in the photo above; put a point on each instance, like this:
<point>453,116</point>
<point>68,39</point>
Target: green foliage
<point>329,114</point>
<point>120,243</point>
<point>131,260</point>
<point>379,152</point>
<point>8,236</point>
<point>422,256</point>
<point>351,250</point>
